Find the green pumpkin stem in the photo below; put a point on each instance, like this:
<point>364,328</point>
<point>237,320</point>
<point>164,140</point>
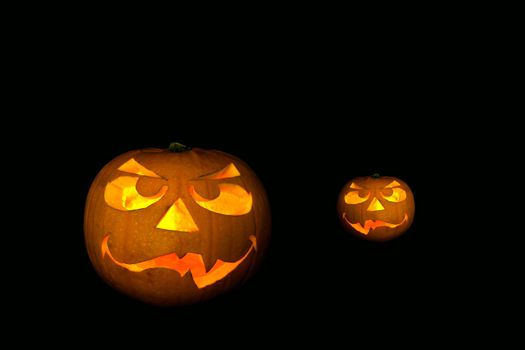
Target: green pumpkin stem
<point>376,176</point>
<point>178,147</point>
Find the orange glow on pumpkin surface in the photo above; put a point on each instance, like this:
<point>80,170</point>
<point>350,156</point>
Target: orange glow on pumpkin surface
<point>117,215</point>
<point>132,166</point>
<point>376,208</point>
<point>228,172</point>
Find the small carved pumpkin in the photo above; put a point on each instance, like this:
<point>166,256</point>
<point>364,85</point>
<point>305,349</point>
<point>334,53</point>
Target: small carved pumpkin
<point>177,226</point>
<point>376,208</point>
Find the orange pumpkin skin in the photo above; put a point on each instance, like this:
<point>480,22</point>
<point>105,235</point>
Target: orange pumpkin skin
<point>132,249</point>
<point>376,208</point>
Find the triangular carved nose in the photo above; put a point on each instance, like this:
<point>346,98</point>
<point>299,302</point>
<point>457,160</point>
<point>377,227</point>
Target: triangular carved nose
<point>178,218</point>
<point>375,205</point>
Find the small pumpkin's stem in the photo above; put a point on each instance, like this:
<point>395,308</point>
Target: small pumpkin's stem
<point>178,147</point>
<point>376,176</point>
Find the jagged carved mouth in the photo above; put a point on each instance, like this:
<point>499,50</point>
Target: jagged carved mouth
<point>373,224</point>
<point>192,262</point>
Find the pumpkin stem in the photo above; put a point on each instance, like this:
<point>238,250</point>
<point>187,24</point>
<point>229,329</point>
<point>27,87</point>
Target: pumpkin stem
<point>376,176</point>
<point>178,147</point>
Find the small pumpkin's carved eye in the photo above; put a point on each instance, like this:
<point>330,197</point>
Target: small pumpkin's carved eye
<point>398,195</point>
<point>354,197</point>
<point>393,193</point>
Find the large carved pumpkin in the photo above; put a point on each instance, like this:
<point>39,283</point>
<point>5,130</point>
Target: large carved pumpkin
<point>376,208</point>
<point>176,226</point>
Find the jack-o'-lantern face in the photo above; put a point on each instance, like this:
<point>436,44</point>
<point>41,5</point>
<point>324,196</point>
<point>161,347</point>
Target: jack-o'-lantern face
<point>174,228</point>
<point>376,208</point>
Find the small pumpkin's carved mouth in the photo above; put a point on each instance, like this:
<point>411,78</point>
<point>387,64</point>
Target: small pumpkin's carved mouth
<point>189,262</point>
<point>373,224</point>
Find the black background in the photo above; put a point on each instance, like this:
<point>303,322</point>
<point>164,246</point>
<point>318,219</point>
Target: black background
<point>308,100</point>
<point>304,152</point>
<point>306,122</point>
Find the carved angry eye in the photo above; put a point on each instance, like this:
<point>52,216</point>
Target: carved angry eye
<point>232,199</point>
<point>396,195</point>
<point>358,196</point>
<point>392,193</point>
<point>354,198</point>
<point>122,193</point>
